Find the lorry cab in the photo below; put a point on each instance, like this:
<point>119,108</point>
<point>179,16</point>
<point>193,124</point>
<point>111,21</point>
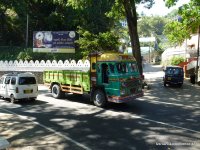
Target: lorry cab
<point>111,77</point>
<point>17,86</point>
<point>118,77</point>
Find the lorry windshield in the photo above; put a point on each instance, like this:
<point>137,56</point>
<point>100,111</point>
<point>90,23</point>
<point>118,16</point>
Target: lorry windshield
<point>27,80</point>
<point>126,67</point>
<point>122,67</point>
<point>133,67</point>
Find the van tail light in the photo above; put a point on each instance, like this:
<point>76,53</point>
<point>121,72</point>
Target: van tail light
<point>17,90</point>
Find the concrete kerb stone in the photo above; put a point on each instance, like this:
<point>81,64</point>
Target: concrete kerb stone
<point>4,144</point>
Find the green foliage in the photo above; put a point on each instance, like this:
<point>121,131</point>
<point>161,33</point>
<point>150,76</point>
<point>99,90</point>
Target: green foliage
<point>9,53</point>
<point>18,53</point>
<point>177,31</point>
<point>154,25</point>
<point>89,42</point>
<point>176,60</point>
<point>60,15</point>
<point>24,55</point>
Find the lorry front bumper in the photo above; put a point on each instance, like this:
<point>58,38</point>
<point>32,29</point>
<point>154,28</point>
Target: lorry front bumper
<point>124,99</point>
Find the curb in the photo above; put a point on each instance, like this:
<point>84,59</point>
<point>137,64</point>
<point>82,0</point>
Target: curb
<point>4,144</point>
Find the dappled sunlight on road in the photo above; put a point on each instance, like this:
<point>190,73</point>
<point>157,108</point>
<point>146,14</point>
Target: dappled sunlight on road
<point>165,115</point>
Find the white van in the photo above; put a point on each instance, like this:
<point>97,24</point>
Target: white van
<point>18,86</point>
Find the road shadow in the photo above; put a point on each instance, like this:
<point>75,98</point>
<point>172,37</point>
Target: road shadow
<point>161,116</point>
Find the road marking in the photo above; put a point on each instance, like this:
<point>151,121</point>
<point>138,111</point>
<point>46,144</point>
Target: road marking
<point>166,124</point>
<point>175,104</point>
<point>47,128</point>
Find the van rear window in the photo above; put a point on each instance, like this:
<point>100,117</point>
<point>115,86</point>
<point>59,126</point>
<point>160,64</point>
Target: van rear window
<point>174,71</point>
<point>27,80</point>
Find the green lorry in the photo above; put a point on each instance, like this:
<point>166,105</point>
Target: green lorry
<point>112,77</point>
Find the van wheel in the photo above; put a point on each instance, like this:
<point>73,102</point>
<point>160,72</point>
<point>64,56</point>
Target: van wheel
<point>12,98</point>
<point>56,91</point>
<point>99,98</point>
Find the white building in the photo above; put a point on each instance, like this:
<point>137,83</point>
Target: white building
<point>187,50</point>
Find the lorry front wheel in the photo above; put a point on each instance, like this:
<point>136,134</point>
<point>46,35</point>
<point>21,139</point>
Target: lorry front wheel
<point>56,91</point>
<point>99,98</point>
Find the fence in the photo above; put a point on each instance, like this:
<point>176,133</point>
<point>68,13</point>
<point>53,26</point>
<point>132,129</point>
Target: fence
<point>40,66</point>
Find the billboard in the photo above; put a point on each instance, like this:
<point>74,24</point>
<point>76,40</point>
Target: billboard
<point>54,41</point>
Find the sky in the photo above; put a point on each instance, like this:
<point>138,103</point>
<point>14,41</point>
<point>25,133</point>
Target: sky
<point>159,8</point>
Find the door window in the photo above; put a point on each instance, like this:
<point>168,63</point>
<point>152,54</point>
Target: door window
<point>13,81</point>
<point>27,80</point>
<point>7,80</point>
<point>1,80</point>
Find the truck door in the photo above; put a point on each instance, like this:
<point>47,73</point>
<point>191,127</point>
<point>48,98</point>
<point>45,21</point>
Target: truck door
<point>102,74</point>
<point>105,73</point>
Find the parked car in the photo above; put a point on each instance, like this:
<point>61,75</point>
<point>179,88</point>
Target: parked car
<point>18,86</point>
<point>174,75</point>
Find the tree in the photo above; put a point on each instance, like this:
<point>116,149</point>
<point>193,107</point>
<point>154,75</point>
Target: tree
<point>153,26</point>
<point>120,9</point>
<point>9,28</point>
<point>186,23</point>
<point>176,60</point>
<point>91,42</point>
<point>190,22</point>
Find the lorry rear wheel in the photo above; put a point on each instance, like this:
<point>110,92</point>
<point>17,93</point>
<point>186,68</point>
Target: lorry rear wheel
<point>99,98</point>
<point>56,91</point>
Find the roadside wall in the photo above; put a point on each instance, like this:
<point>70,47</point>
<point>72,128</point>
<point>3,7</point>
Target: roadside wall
<point>38,67</point>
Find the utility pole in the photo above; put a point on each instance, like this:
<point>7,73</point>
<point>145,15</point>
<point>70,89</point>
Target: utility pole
<point>149,54</point>
<point>27,30</point>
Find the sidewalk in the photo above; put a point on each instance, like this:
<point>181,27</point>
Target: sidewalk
<point>20,133</point>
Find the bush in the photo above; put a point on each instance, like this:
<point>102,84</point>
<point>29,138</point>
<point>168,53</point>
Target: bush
<point>176,60</point>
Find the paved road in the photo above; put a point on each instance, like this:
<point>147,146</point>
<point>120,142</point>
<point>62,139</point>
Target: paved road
<point>165,118</point>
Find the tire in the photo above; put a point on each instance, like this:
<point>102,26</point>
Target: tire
<point>198,83</point>
<point>56,91</point>
<point>12,98</point>
<point>165,84</point>
<point>99,98</point>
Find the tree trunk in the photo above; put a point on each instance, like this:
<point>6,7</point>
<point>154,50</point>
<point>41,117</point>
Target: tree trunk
<point>131,17</point>
<point>2,20</point>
